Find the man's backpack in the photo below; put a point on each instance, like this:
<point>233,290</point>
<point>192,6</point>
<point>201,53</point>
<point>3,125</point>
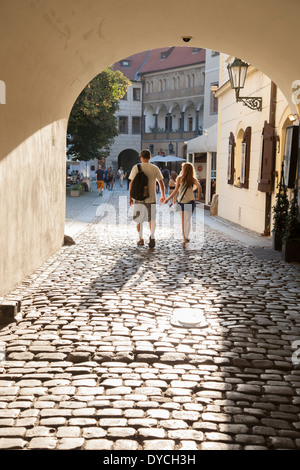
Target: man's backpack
<point>139,188</point>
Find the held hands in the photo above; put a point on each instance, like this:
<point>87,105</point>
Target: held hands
<point>163,200</point>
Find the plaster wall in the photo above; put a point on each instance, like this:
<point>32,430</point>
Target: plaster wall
<point>50,49</point>
<point>246,207</point>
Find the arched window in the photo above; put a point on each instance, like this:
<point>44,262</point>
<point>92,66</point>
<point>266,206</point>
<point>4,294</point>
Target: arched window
<point>147,87</point>
<point>188,81</point>
<point>173,83</point>
<point>165,85</point>
<point>178,82</point>
<point>193,80</point>
<point>160,85</point>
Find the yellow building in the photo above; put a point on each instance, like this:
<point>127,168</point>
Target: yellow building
<point>251,148</point>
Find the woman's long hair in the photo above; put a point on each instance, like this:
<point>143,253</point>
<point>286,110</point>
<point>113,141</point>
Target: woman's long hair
<point>187,174</point>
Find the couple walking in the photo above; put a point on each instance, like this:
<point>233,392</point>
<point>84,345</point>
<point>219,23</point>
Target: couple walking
<point>146,210</point>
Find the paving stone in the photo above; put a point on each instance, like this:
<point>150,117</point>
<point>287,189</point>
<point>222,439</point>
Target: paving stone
<point>93,433</point>
<point>158,445</point>
<point>125,432</point>
<point>98,444</point>
<point>70,443</point>
<point>219,446</point>
<point>186,434</point>
<point>126,444</point>
<point>43,443</point>
<point>68,431</point>
<point>12,443</point>
<point>12,432</point>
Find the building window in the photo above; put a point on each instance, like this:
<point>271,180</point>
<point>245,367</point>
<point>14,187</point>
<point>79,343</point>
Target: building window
<point>136,94</point>
<point>136,125</point>
<point>231,157</point>
<point>168,120</point>
<point>123,124</point>
<point>213,100</point>
<point>125,63</point>
<point>151,148</point>
<point>190,124</point>
<point>214,53</point>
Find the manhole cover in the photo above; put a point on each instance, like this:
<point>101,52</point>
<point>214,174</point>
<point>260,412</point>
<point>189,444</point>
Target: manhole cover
<point>188,318</point>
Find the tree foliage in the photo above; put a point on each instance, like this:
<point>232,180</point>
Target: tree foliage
<point>92,124</point>
<point>293,223</point>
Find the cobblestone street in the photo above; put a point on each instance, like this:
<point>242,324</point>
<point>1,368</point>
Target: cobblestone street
<point>96,362</point>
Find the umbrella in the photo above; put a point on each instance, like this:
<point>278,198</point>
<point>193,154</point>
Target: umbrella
<point>167,158</point>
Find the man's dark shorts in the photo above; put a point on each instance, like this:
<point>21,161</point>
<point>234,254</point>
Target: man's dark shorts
<point>144,211</point>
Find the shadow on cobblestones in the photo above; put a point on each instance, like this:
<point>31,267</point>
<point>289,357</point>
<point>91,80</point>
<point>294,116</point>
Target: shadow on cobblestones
<point>95,363</point>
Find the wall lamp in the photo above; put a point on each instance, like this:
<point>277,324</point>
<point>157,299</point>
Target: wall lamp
<point>293,117</point>
<point>237,71</point>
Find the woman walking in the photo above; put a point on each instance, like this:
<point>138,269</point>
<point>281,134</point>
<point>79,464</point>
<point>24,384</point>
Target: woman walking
<point>185,184</point>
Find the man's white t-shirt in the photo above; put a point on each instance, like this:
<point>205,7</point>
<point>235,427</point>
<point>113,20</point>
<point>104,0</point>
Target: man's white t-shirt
<point>153,174</point>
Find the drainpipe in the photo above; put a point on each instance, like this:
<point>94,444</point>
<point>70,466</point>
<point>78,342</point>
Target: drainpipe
<point>272,119</point>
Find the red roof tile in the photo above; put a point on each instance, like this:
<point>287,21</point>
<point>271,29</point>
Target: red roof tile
<point>153,61</point>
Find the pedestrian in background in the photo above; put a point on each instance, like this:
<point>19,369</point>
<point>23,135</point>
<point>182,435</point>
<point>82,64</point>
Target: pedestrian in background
<point>100,180</point>
<point>121,176</point>
<point>166,175</point>
<point>172,185</point>
<point>110,178</point>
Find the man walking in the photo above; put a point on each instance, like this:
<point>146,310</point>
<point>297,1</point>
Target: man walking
<point>100,180</point>
<point>146,210</point>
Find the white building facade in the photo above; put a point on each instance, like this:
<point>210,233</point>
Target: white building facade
<point>202,151</point>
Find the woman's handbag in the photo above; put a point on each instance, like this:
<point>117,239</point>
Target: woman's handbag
<point>177,206</point>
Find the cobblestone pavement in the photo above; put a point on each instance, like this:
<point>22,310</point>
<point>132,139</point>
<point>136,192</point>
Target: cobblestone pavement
<point>95,361</point>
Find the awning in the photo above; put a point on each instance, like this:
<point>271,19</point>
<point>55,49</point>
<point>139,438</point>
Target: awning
<point>204,143</point>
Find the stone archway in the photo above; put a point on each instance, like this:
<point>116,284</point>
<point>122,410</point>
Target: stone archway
<point>50,50</point>
<point>127,159</point>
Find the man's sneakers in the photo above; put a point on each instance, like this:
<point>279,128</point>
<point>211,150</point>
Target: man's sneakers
<point>151,242</point>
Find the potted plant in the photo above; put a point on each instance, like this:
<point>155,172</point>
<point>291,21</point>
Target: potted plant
<point>76,190</point>
<point>280,211</point>
<point>291,238</point>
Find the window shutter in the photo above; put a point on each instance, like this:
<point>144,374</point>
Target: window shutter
<point>231,153</point>
<point>265,183</point>
<point>245,170</point>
